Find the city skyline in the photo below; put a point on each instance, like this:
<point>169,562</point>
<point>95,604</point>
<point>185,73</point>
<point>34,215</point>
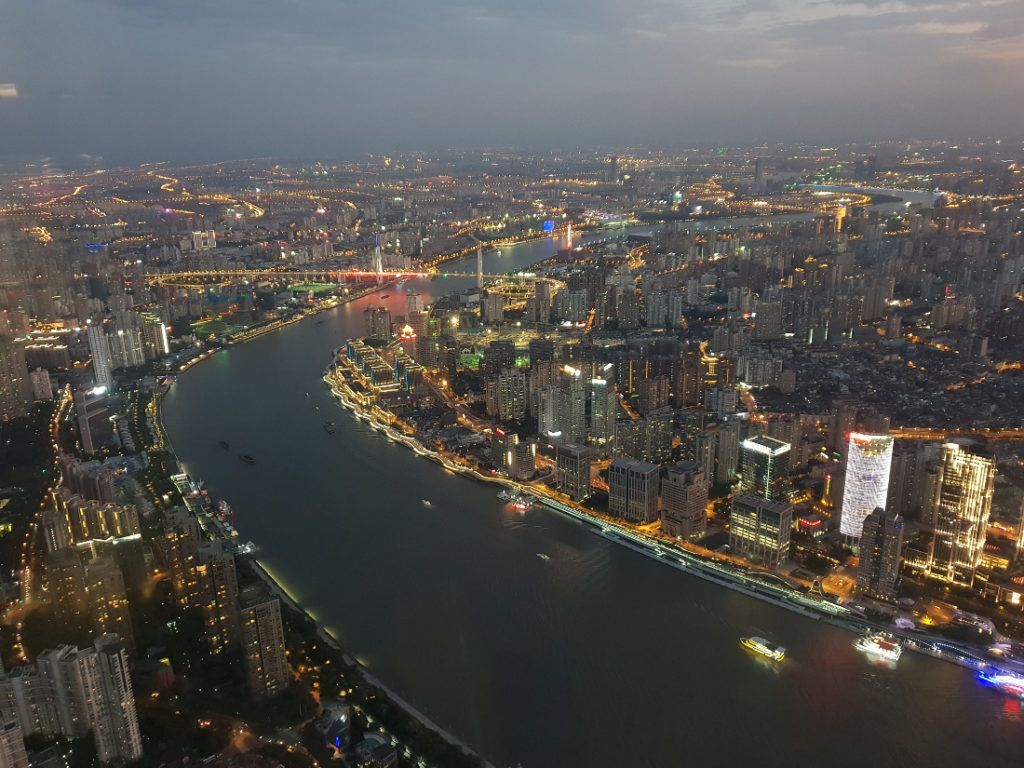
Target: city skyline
<point>198,83</point>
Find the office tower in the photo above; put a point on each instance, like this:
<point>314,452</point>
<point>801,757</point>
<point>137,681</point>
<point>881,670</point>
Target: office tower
<point>684,500</point>
<point>15,385</point>
<point>111,702</point>
<point>522,460</point>
<point>573,467</point>
<point>378,323</point>
<point>102,365</point>
<point>759,529</point>
<point>880,543</point>
<point>604,407</point>
<point>266,665</point>
<point>12,746</point>
<point>868,460</point>
<point>727,454</point>
<point>212,589</point>
<point>962,503</point>
<point>765,467</point>
<point>633,490</point>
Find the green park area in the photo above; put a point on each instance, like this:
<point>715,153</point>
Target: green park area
<point>316,288</point>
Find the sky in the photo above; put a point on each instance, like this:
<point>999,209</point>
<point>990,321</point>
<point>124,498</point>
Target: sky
<point>195,80</point>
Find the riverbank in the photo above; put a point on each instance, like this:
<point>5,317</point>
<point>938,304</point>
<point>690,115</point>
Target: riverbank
<point>759,584</point>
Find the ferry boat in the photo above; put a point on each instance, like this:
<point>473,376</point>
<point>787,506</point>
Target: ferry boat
<point>225,445</point>
<point>426,503</point>
<point>517,500</point>
<point>879,644</point>
<point>1007,682</point>
<point>329,427</point>
<point>542,556</point>
<point>247,459</point>
<point>764,647</point>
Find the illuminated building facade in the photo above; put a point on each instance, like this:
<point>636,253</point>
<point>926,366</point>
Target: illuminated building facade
<point>759,529</point>
<point>633,490</point>
<point>868,460</point>
<point>266,665</point>
<point>963,502</point>
<point>573,466</point>
<point>765,467</point>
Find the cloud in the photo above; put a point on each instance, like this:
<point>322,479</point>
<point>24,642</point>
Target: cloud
<point>1005,50</point>
<point>754,63</point>
<point>955,28</point>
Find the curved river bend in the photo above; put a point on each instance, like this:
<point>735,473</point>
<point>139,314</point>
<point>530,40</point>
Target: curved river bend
<point>596,657</point>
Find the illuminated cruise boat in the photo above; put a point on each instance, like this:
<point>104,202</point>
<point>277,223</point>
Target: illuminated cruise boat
<point>1007,682</point>
<point>878,644</point>
<point>517,500</point>
<point>763,647</point>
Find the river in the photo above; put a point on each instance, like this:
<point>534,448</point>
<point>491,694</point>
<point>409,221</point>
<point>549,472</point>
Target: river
<point>598,656</point>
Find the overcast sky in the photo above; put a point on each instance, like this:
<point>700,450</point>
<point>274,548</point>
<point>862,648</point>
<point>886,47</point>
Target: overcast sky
<point>136,80</point>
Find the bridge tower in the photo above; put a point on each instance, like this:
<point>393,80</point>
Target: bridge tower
<point>378,262</point>
<point>479,266</point>
<point>568,236</point>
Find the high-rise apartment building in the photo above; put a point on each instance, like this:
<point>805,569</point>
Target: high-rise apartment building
<point>765,467</point>
<point>12,746</point>
<point>962,504</point>
<point>111,702</point>
<point>604,408</point>
<point>15,384</point>
<point>759,529</point>
<point>868,460</point>
<point>880,543</point>
<point>266,665</point>
<point>102,364</point>
<point>633,490</point>
<point>573,467</point>
<point>212,589</point>
<point>684,500</point>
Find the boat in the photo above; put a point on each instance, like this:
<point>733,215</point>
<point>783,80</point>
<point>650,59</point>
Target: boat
<point>879,644</point>
<point>516,499</point>
<point>329,427</point>
<point>247,459</point>
<point>225,445</point>
<point>426,503</point>
<point>763,647</point>
<point>1007,682</point>
<point>542,556</point>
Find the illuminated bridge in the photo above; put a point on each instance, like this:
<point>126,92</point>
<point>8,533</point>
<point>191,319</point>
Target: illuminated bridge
<point>224,277</point>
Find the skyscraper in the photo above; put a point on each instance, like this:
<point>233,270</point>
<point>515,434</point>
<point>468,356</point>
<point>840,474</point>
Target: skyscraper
<point>765,467</point>
<point>867,480</point>
<point>633,490</point>
<point>604,407</point>
<point>759,529</point>
<point>111,702</point>
<point>684,499</point>
<point>880,544</point>
<point>573,467</point>
<point>102,365</point>
<point>212,589</point>
<point>962,505</point>
<point>15,385</point>
<point>266,665</point>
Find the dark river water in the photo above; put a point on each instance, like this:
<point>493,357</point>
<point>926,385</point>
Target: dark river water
<point>597,657</point>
